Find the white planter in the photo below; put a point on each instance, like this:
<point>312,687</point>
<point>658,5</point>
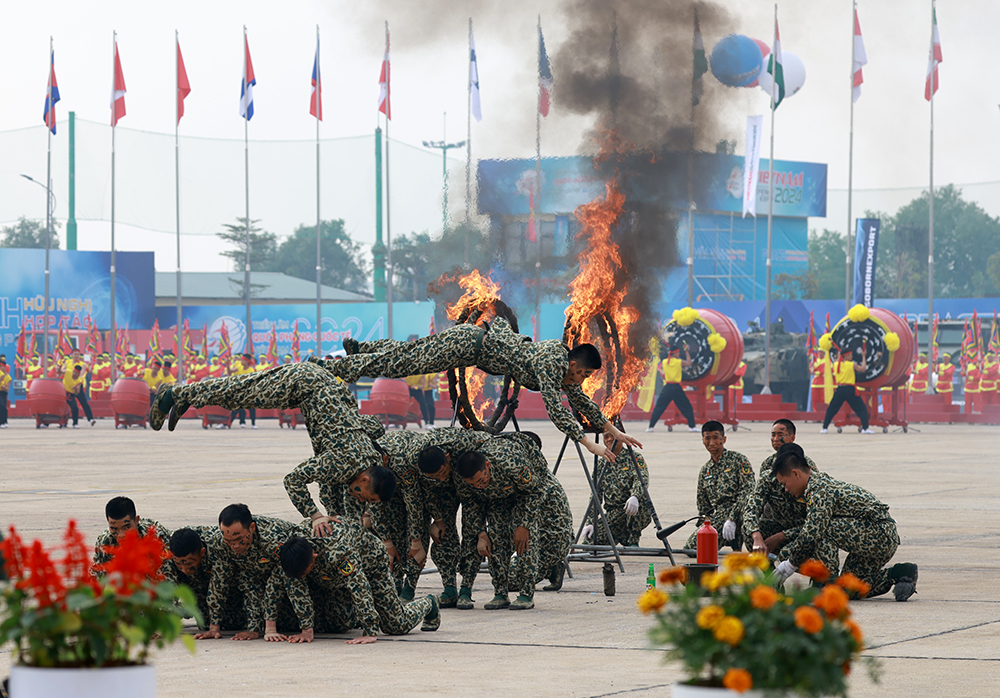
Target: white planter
<point>683,690</point>
<point>110,682</point>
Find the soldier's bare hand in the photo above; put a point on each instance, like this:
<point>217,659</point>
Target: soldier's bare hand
<point>321,526</point>
<point>246,635</point>
<point>774,542</point>
<point>305,636</point>
<point>393,553</point>
<point>417,552</point>
<point>275,637</point>
<point>437,529</point>
<point>521,540</point>
<point>213,633</point>
<point>363,640</point>
<point>483,545</point>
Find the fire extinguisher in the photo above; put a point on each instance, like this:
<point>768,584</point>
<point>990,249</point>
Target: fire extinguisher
<point>708,544</point>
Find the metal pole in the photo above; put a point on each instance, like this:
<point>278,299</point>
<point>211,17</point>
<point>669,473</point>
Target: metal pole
<point>319,249</point>
<point>378,249</point>
<point>538,198</point>
<point>770,214</point>
<point>444,172</point>
<point>468,156</point>
<point>246,171</point>
<point>850,176</point>
<point>930,233</point>
<point>177,189</point>
<point>114,329</point>
<point>388,238</point>
<point>48,228</point>
<point>71,222</point>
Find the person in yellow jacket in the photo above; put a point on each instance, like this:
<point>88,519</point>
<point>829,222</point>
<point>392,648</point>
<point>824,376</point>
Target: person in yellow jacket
<point>75,383</point>
<point>422,390</point>
<point>822,379</point>
<point>844,369</point>
<point>33,371</point>
<point>672,368</point>
<point>736,389</point>
<point>5,381</point>
<point>921,372</point>
<point>153,374</point>
<point>243,365</point>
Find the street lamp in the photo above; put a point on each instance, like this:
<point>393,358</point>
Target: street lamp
<point>49,211</point>
<point>445,147</point>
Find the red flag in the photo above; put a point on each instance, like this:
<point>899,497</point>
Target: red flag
<point>153,348</point>
<point>272,346</point>
<point>544,76</point>
<point>384,105</point>
<point>204,343</point>
<point>117,91</point>
<point>183,86</point>
<point>63,346</point>
<point>860,58</point>
<point>51,96</point>
<point>20,356</point>
<point>225,346</point>
<point>316,98</point>
<point>933,59</point>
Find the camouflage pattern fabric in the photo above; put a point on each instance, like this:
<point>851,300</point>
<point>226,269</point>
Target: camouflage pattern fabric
<point>341,437</point>
<point>769,508</point>
<point>539,366</point>
<point>723,489</point>
<point>107,540</point>
<point>234,615</point>
<point>617,482</point>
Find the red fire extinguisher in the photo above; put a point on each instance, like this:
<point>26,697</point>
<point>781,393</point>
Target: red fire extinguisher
<point>708,544</point>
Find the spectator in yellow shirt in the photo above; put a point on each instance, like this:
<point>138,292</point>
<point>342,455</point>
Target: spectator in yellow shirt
<point>75,383</point>
<point>241,367</point>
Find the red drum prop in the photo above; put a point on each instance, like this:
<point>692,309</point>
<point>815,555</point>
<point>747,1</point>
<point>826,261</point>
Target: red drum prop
<point>47,402</point>
<point>130,402</point>
<point>892,369</point>
<point>389,399</point>
<point>708,367</point>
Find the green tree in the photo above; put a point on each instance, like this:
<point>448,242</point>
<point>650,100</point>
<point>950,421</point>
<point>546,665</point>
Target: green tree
<point>263,245</point>
<point>794,286</point>
<point>344,263</point>
<point>827,264</point>
<point>27,233</point>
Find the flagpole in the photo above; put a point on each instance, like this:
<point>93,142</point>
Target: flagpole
<point>388,206</point>
<point>177,190</point>
<point>690,175</point>
<point>536,198</point>
<point>850,174</point>
<point>930,234</point>
<point>468,155</point>
<point>770,215</point>
<point>48,220</point>
<point>246,179</point>
<point>319,253</point>
<point>114,334</point>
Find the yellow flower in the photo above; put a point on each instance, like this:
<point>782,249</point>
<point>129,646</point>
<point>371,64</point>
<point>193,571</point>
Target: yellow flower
<point>652,600</point>
<point>730,630</point>
<point>738,680</point>
<point>763,597</point>
<point>709,617</point>
<point>736,561</point>
<point>674,575</point>
<point>713,581</point>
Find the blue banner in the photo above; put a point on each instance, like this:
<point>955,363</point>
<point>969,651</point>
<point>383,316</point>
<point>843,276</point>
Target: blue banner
<point>865,258</point>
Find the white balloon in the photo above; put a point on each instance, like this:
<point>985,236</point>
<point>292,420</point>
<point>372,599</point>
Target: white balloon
<point>794,71</point>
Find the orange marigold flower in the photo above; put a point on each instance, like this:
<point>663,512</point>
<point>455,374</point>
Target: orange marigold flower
<point>709,617</point>
<point>652,600</point>
<point>763,597</point>
<point>832,601</point>
<point>855,631</point>
<point>674,575</point>
<point>852,583</point>
<point>760,561</point>
<point>814,569</point>
<point>808,618</point>
<point>729,630</point>
<point>738,680</point>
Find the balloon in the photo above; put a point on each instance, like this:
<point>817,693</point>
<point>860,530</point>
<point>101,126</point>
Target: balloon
<point>765,51</point>
<point>795,74</point>
<point>736,60</point>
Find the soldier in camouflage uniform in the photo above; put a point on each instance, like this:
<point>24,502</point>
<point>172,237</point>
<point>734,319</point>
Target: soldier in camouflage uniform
<point>351,559</point>
<point>623,498</point>
<point>724,484</point>
<point>341,437</point>
<point>512,498</point>
<point>196,551</point>
<point>548,367</point>
<point>121,516</point>
<point>841,516</point>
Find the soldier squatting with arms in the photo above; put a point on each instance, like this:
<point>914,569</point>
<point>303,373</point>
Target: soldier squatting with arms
<point>724,484</point>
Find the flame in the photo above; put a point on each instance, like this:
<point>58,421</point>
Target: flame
<point>476,379</point>
<point>480,292</point>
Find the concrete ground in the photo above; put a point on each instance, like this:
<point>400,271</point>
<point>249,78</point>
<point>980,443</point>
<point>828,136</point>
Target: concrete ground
<point>942,484</point>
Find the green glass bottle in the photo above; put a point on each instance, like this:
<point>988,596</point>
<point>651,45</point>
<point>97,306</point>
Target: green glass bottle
<point>650,578</point>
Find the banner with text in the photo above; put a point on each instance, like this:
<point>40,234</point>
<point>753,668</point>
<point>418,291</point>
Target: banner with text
<point>751,164</point>
<point>865,257</point>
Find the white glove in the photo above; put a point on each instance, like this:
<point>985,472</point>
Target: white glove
<point>783,571</point>
<point>632,506</point>
<point>729,531</point>
<point>588,531</point>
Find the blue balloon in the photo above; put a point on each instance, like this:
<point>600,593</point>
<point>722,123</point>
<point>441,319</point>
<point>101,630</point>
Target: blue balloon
<point>736,60</point>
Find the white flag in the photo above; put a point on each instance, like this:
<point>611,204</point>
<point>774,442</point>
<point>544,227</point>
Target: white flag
<point>860,58</point>
<point>477,112</point>
<point>751,164</point>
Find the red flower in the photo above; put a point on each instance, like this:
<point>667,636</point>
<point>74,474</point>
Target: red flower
<point>44,580</point>
<point>13,555</point>
<point>76,564</point>
<point>135,560</point>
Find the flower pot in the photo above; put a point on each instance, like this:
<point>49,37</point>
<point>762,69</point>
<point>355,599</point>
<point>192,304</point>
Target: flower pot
<point>106,682</point>
<point>683,690</point>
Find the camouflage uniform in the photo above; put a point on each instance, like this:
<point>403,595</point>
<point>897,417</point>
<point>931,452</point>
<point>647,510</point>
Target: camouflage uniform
<point>522,492</point>
<point>341,437</point>
<point>723,489</point>
<point>107,540</point>
<point>842,516</point>
<point>617,482</point>
<point>499,351</point>
<point>256,573</point>
<point>234,615</point>
<point>351,559</point>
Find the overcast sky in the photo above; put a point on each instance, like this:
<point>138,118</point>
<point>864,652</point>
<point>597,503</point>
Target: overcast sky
<point>429,64</point>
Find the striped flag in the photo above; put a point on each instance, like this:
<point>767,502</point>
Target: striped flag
<point>295,343</point>
<point>775,69</point>
<point>225,345</point>
<point>934,339</point>
<point>117,91</point>
<point>933,59</point>
<point>994,344</point>
<point>204,343</point>
<point>20,351</point>
<point>384,104</point>
<point>316,97</point>
<point>544,76</point>
<point>477,111</point>
<point>272,346</point>
<point>153,348</point>
<point>51,96</point>
<point>246,87</point>
<point>93,337</point>
<point>183,86</point>
<point>860,58</point>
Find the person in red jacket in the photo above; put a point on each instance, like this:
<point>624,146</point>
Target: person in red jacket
<point>945,375</point>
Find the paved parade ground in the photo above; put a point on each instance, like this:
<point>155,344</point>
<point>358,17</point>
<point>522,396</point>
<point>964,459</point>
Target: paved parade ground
<point>941,484</point>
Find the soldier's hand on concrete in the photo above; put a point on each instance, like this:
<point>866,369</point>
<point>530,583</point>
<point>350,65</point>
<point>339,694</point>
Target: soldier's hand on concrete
<point>417,552</point>
<point>437,529</point>
<point>588,531</point>
<point>729,530</point>
<point>363,640</point>
<point>246,635</point>
<point>483,545</point>
<point>394,555</point>
<point>521,540</point>
<point>271,633</point>
<point>632,506</point>
<point>214,632</point>
<point>783,571</point>
<point>305,636</point>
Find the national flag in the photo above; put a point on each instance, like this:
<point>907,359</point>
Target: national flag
<point>63,346</point>
<point>204,343</point>
<point>93,337</point>
<point>430,327</point>
<point>826,329</point>
<point>117,90</point>
<point>384,103</point>
<point>295,343</point>
<point>811,337</point>
<point>775,69</point>
<point>188,346</point>
<point>225,352</point>
<point>933,59</point>
<point>934,339</point>
<point>183,86</point>
<point>544,76</point>
<point>153,348</point>
<point>51,96</point>
<point>477,110</point>
<point>20,351</point>
<point>272,346</point>
<point>316,97</point>
<point>700,63</point>
<point>246,86</point>
<point>994,345</point>
<point>860,58</point>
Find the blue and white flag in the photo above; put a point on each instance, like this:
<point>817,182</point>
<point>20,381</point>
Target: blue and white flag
<point>246,87</point>
<point>477,111</point>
